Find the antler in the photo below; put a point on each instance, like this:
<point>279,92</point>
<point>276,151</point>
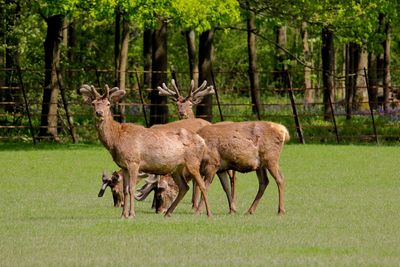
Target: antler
<point>198,94</point>
<point>89,89</point>
<point>165,91</point>
<point>150,185</point>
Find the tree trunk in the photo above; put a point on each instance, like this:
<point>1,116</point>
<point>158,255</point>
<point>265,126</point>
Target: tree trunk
<point>159,108</point>
<point>352,58</point>
<point>386,68</point>
<point>360,92</point>
<point>147,52</point>
<point>117,43</point>
<point>11,61</point>
<point>280,56</point>
<point>253,73</point>
<point>193,62</point>
<point>328,64</point>
<point>308,90</point>
<point>372,79</point>
<point>50,93</point>
<point>204,109</point>
<point>123,61</point>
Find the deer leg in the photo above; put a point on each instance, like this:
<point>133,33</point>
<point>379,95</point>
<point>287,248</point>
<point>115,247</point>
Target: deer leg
<point>223,178</point>
<point>277,174</point>
<point>203,190</point>
<point>183,188</point>
<point>209,177</point>
<point>130,177</point>
<point>262,185</point>
<point>232,177</point>
<point>195,196</point>
<point>125,211</point>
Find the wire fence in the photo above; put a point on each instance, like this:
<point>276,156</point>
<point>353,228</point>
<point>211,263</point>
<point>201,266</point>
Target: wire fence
<point>301,111</point>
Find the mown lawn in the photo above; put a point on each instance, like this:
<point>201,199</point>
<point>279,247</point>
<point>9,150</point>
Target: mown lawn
<point>342,203</point>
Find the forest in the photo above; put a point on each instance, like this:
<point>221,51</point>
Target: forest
<point>332,63</point>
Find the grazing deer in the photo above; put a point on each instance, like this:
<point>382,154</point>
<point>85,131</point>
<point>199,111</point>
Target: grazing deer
<point>135,149</point>
<point>165,195</point>
<point>185,110</point>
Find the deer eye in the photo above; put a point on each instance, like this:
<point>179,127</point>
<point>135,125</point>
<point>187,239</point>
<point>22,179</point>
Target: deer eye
<point>108,104</point>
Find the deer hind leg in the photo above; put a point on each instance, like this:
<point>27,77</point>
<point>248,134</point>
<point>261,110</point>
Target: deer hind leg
<point>232,177</point>
<point>277,174</point>
<point>195,196</point>
<point>223,177</point>
<point>262,185</point>
<point>183,188</point>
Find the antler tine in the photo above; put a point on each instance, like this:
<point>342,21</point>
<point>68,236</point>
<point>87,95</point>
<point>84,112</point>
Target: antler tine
<point>107,92</point>
<point>164,91</point>
<point>191,87</point>
<point>96,94</point>
<point>175,87</point>
<point>114,89</point>
<point>193,93</point>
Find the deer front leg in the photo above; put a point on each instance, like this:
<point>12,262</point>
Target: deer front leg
<point>130,178</point>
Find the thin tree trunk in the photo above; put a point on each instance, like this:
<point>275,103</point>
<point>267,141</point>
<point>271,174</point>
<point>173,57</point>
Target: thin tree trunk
<point>352,58</point>
<point>123,61</point>
<point>372,78</point>
<point>147,52</point>
<point>50,93</point>
<point>193,62</point>
<point>280,56</point>
<point>360,92</point>
<point>308,90</point>
<point>328,59</point>
<point>253,73</point>
<point>117,43</point>
<point>11,61</point>
<point>159,108</point>
<point>204,109</point>
<point>386,67</point>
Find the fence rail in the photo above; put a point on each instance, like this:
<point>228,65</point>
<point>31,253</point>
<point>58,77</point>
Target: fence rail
<point>21,104</point>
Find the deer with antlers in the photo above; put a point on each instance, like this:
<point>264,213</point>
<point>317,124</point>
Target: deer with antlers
<point>185,110</point>
<point>135,149</point>
<point>240,146</point>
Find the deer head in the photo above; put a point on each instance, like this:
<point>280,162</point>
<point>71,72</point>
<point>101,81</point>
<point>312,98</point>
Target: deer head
<point>101,103</point>
<point>116,185</point>
<point>185,104</point>
<point>165,188</point>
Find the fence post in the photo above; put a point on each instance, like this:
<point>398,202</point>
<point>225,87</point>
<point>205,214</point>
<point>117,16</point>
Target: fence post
<point>216,96</point>
<point>141,99</point>
<point>370,107</point>
<point>65,105</point>
<point>26,104</point>
<point>294,109</point>
<point>333,118</point>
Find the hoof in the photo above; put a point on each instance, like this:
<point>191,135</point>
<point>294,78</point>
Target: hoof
<point>281,213</point>
<point>167,215</point>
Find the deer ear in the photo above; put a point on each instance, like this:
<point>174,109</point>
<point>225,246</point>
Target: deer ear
<point>117,95</point>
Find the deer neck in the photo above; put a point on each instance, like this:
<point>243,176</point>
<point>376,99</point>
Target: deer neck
<point>107,130</point>
<point>190,114</point>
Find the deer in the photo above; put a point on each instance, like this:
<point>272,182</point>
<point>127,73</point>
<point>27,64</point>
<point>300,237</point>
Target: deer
<point>135,149</point>
<point>244,147</point>
<point>185,110</point>
<point>165,195</point>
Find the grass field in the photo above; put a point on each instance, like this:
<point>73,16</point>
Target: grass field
<point>342,204</point>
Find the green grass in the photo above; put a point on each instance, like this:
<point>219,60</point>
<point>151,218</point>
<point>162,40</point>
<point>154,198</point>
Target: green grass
<point>342,203</point>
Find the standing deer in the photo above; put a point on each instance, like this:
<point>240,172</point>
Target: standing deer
<point>135,149</point>
<point>185,111</point>
<point>246,146</point>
